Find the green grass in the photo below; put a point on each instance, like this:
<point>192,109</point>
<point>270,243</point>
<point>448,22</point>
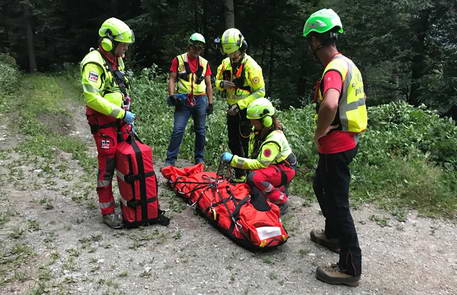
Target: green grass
<point>41,115</point>
<point>407,159</point>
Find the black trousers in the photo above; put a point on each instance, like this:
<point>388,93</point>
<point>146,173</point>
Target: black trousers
<point>238,129</point>
<point>331,186</point>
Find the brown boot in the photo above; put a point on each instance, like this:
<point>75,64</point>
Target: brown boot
<point>319,237</point>
<point>332,274</point>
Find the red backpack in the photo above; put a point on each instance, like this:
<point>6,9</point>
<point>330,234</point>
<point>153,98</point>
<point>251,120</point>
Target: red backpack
<point>138,184</point>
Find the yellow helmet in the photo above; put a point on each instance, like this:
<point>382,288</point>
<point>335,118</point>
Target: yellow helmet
<point>232,40</point>
<point>261,109</point>
<point>114,29</point>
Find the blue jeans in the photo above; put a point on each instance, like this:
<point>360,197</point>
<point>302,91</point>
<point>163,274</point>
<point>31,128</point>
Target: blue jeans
<point>181,116</point>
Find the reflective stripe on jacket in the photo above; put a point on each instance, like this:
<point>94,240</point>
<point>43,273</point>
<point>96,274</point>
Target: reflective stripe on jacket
<point>101,92</point>
<point>273,150</point>
<point>352,111</point>
<point>248,79</point>
<point>189,82</point>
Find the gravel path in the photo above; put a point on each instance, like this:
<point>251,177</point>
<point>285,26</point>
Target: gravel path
<point>52,241</point>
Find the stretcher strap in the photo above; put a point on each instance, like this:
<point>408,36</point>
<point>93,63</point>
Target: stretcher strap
<point>130,178</point>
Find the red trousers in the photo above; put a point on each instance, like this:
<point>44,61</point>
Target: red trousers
<point>106,140</point>
<point>272,181</point>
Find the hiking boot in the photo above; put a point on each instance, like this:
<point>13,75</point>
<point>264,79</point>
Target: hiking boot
<point>283,208</point>
<point>332,274</point>
<point>113,220</point>
<point>319,237</point>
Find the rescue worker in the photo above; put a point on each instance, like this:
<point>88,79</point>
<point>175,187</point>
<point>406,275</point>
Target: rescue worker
<point>271,162</point>
<point>108,106</point>
<point>241,78</point>
<point>341,117</point>
<point>191,93</point>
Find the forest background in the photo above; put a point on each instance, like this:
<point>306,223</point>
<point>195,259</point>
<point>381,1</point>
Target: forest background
<point>406,49</point>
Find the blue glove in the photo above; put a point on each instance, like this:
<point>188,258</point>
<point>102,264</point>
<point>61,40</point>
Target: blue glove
<point>226,157</point>
<point>129,117</point>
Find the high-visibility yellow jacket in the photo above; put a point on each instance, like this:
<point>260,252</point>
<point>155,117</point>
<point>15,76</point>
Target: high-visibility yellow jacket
<point>248,78</point>
<point>273,150</point>
<point>101,92</point>
<point>189,82</point>
<point>352,111</point>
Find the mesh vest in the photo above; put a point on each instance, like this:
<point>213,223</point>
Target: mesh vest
<point>352,111</point>
<point>189,82</point>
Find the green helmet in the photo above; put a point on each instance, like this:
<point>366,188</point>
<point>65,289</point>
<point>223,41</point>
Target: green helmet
<point>196,37</point>
<point>260,108</point>
<point>116,30</point>
<point>322,21</point>
<point>232,40</point>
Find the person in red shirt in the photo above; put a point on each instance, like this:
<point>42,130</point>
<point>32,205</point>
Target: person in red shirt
<point>191,93</point>
<point>341,115</point>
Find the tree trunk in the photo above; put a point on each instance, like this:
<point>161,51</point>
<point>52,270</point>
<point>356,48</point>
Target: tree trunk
<point>271,64</point>
<point>29,35</point>
<point>229,14</point>
<point>418,62</point>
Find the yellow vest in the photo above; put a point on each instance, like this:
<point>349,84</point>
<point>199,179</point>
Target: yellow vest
<point>248,79</point>
<point>352,111</point>
<point>189,82</point>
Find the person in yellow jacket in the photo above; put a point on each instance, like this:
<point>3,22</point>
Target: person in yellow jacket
<point>271,162</point>
<point>108,106</point>
<point>341,116</point>
<point>241,79</point>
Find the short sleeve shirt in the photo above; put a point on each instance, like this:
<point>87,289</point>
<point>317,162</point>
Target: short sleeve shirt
<point>193,65</point>
<point>336,141</point>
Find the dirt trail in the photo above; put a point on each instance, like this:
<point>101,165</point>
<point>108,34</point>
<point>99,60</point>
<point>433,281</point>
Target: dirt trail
<point>52,241</point>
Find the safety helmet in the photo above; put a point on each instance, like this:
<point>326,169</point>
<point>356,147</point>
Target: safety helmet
<point>322,21</point>
<point>261,109</point>
<point>232,40</point>
<point>114,29</point>
<point>196,37</point>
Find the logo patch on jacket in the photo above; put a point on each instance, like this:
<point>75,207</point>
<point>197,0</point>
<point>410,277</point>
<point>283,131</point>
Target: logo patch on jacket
<point>105,144</point>
<point>93,76</point>
<point>255,80</point>
<point>267,152</point>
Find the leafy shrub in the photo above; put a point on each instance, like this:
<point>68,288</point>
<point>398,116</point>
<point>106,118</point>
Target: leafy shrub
<point>9,74</point>
<point>406,158</point>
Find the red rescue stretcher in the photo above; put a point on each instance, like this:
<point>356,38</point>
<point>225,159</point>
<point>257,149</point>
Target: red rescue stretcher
<point>251,222</point>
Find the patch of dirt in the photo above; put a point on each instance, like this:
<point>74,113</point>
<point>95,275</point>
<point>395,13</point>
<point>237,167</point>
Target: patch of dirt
<point>52,241</point>
<point>60,124</point>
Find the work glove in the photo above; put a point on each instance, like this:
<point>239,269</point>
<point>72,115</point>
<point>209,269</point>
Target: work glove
<point>129,117</point>
<point>233,110</point>
<point>209,109</point>
<point>226,157</point>
<point>176,99</point>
